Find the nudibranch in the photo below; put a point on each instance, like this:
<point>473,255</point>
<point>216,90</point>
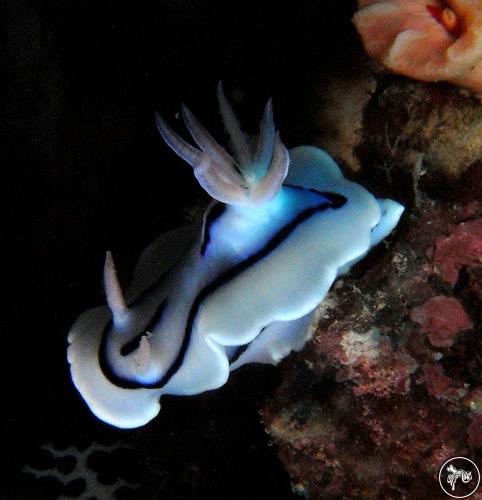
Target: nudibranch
<point>427,40</point>
<point>239,287</point>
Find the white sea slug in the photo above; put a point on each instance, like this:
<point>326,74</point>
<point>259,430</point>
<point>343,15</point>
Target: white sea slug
<point>238,288</point>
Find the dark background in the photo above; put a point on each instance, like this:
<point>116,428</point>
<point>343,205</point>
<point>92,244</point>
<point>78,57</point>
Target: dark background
<point>84,170</point>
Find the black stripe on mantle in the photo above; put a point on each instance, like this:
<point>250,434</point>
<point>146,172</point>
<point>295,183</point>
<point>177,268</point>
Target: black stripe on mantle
<point>335,201</point>
<point>212,216</point>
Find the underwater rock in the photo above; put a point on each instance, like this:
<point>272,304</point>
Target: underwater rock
<point>393,372</point>
<point>462,247</point>
<point>388,379</point>
<point>340,120</point>
<point>475,432</point>
<point>441,318</point>
<point>407,134</point>
<point>431,131</point>
<point>350,447</point>
<point>441,386</point>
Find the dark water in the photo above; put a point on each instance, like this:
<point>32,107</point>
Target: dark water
<point>83,170</point>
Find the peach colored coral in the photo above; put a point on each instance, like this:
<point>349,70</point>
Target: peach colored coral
<point>425,39</point>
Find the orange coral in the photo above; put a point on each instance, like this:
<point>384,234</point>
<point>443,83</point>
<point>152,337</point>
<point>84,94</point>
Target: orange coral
<point>425,39</point>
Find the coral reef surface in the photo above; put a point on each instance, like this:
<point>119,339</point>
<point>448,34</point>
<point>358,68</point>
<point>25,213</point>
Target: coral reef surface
<point>390,386</point>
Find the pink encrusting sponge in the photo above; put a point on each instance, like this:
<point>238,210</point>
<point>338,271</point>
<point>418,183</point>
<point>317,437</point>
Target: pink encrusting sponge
<point>426,40</point>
